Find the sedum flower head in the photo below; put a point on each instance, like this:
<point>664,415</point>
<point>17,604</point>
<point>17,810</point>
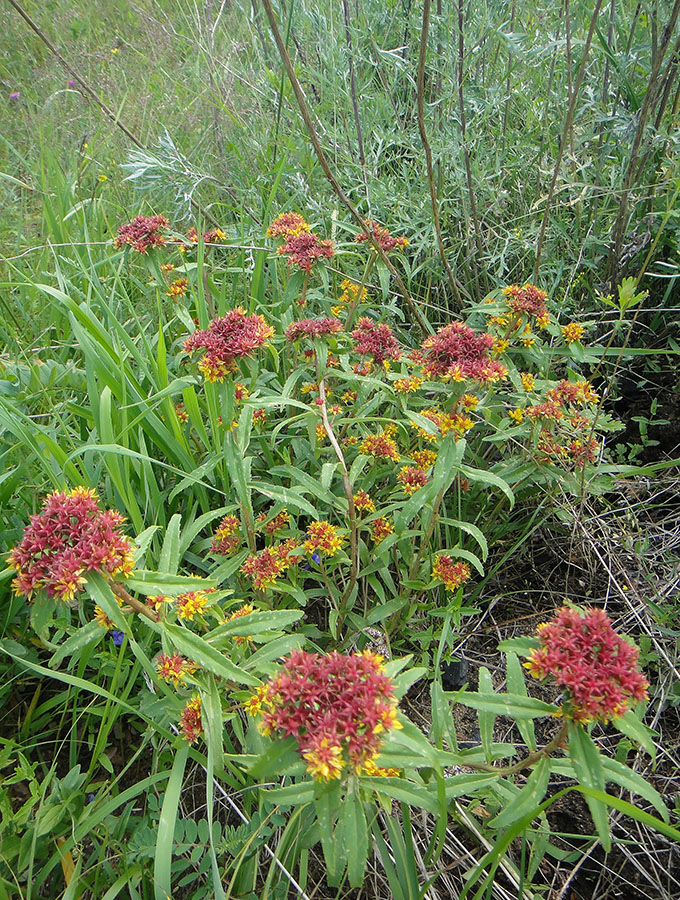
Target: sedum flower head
<point>68,538</point>
<point>381,236</point>
<point>572,332</point>
<point>363,502</point>
<point>323,537</point>
<point>311,328</point>
<point>227,339</point>
<point>412,478</point>
<point>458,353</point>
<point>227,537</point>
<point>380,446</point>
<point>584,655</point>
<point>381,528</point>
<point>527,299</point>
<point>528,381</point>
<point>266,567</point>
<point>424,459</point>
<point>288,225</point>
<point>305,249</point>
<point>190,723</point>
<point>375,340</point>
<point>173,669</point>
<point>338,708</point>
<point>141,233</point>
<point>192,603</point>
<point>451,573</point>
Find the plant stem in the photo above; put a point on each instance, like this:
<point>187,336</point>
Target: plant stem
<point>137,605</point>
<point>530,760</point>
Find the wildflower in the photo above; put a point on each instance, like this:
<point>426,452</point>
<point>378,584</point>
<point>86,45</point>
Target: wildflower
<point>445,422</point>
<point>215,236</point>
<point>266,567</point>
<point>181,413</point>
<point>572,332</point>
<point>528,381</point>
<point>117,637</point>
<point>68,538</point>
<point>311,328</point>
<point>363,502</point>
<point>190,723</point>
<point>517,415</point>
<point>457,352</point>
<point>258,701</point>
<point>173,669</point>
<point>412,479</point>
<point>587,658</point>
<point>499,346</point>
<point>451,574</point>
<point>550,409</point>
<point>141,233</point>
<point>352,292</point>
<point>424,459</point>
<point>376,341</point>
<point>382,236</point>
<point>335,409</point>
<point>573,392</point>
<point>227,339</point>
<point>379,446</point>
<point>191,604</point>
<point>469,401</point>
<point>408,385</point>
<point>178,288</point>
<point>370,768</point>
<point>14,96</point>
<point>321,436</point>
<point>102,619</point>
<point>167,267</point>
<point>101,178</point>
<point>288,225</point>
<point>337,707</point>
<point>527,299</point>
<point>323,536</point>
<point>279,522</point>
<point>226,539</point>
<point>70,83</point>
<point>244,610</point>
<point>351,440</point>
<point>259,417</point>
<point>527,337</point>
<point>380,529</point>
<point>305,249</point>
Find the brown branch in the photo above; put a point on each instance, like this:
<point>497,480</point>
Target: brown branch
<point>137,605</point>
<point>328,172</point>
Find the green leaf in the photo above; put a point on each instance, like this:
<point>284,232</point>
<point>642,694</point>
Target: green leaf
<point>286,496</point>
<point>169,560</point>
<point>279,756</point>
<point>291,794</point>
<point>587,763</point>
<point>515,705</point>
<point>630,725</point>
<point>355,839</point>
<point>528,799</point>
<point>517,685</point>
<point>205,655</point>
<point>489,478</point>
<point>88,634</point>
<point>486,718</point>
<point>257,623</point>
<point>166,826</point>
<point>152,583</point>
<point>629,810</point>
<point>404,791</point>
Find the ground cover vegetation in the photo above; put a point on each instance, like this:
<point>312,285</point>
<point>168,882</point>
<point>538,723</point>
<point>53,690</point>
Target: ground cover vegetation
<point>338,429</point>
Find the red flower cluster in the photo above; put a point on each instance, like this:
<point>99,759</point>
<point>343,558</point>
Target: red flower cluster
<point>380,446</point>
<point>266,567</point>
<point>458,352</point>
<point>312,328</point>
<point>141,233</point>
<point>324,537</point>
<point>287,225</point>
<point>304,249</point>
<point>527,299</point>
<point>227,339</point>
<point>332,705</point>
<point>173,669</point>
<point>278,523</point>
<point>190,723</point>
<point>178,288</point>
<point>239,613</point>
<point>69,537</point>
<point>453,574</point>
<point>597,667</point>
<point>412,479</point>
<point>375,340</point>
<point>363,502</point>
<point>381,236</point>
<point>381,528</point>
<point>227,537</point>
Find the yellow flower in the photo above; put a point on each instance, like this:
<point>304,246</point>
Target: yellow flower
<point>517,415</point>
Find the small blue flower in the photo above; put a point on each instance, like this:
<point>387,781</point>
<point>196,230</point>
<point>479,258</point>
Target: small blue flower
<point>117,637</point>
<point>90,798</point>
<point>316,558</point>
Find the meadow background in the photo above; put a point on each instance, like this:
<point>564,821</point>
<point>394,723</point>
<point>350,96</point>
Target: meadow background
<point>552,132</point>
